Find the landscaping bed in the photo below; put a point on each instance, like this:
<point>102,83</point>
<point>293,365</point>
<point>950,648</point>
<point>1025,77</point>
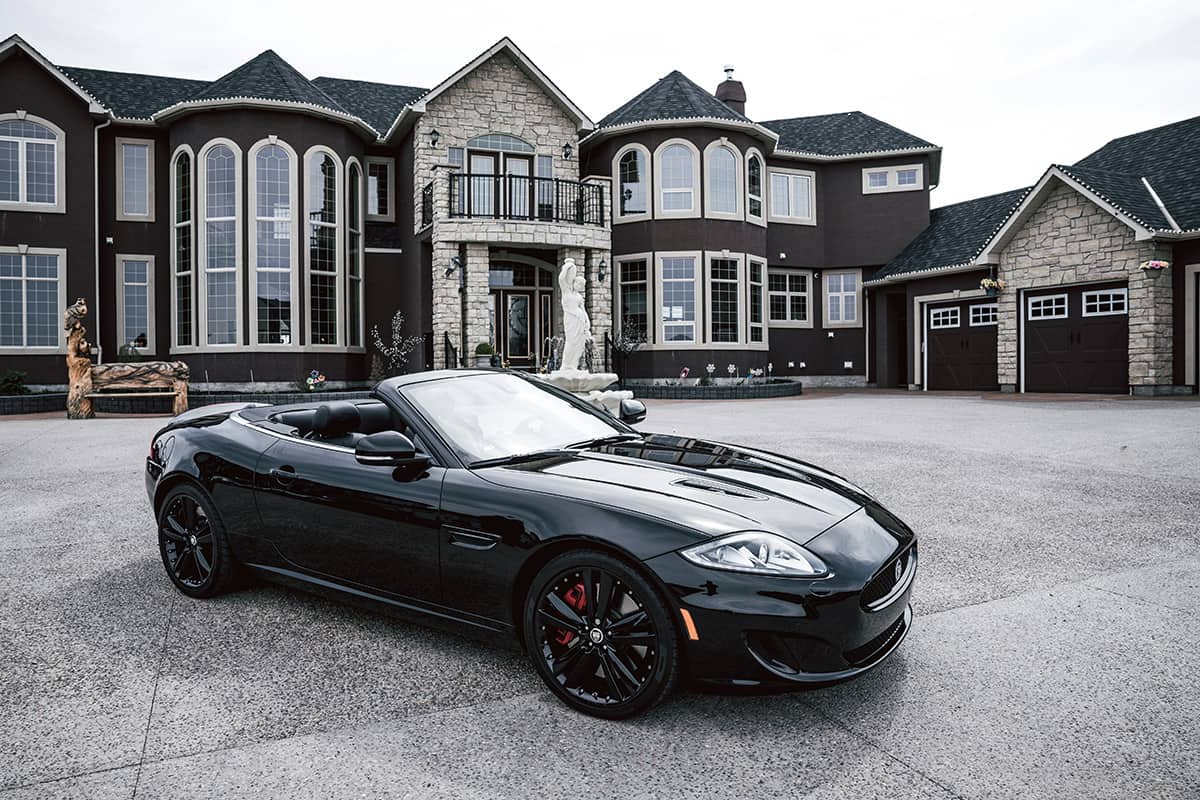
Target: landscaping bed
<point>723,391</point>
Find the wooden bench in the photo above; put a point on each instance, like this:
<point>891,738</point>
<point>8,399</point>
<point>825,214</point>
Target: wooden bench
<point>142,379</point>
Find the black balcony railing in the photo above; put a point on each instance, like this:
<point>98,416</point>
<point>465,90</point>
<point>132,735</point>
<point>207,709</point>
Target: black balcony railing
<point>524,198</point>
<point>427,205</point>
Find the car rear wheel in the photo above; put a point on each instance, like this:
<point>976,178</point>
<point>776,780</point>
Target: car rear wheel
<point>192,542</point>
<point>600,635</point>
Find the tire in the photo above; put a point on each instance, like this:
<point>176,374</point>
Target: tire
<point>617,668</point>
<point>191,536</point>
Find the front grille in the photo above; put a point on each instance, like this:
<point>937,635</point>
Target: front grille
<point>885,580</point>
<point>863,655</point>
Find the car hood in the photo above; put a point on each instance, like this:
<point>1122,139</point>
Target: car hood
<point>708,487</point>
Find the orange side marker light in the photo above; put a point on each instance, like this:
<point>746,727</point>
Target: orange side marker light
<point>691,626</point>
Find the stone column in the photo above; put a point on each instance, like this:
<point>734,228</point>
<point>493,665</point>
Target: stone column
<point>478,309</point>
<point>600,299</point>
<point>1150,323</point>
<point>445,312</point>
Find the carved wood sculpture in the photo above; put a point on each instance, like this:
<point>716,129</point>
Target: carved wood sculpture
<point>170,376</point>
<point>79,363</point>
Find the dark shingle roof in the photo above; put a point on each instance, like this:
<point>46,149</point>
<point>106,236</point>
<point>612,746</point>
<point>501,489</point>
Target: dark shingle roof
<point>377,103</point>
<point>129,94</point>
<point>848,133</point>
<point>1168,157</point>
<point>672,97</point>
<point>1124,191</point>
<point>267,77</point>
<point>956,234</point>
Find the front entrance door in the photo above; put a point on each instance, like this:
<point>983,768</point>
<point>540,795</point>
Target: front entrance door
<point>513,327</point>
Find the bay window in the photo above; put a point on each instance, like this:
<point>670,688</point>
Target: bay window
<point>322,188</point>
<point>757,328</point>
<point>273,248</point>
<point>220,244</point>
<point>181,247</point>
<point>677,168</point>
<point>724,300</point>
<point>633,183</point>
<point>633,310</point>
<point>354,257</point>
<point>754,188</point>
<point>677,281</point>
<point>724,181</point>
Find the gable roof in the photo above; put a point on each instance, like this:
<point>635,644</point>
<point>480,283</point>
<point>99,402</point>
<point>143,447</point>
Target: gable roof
<point>672,97</point>
<point>850,133</point>
<point>132,95</point>
<point>377,103</point>
<point>15,43</point>
<point>956,234</point>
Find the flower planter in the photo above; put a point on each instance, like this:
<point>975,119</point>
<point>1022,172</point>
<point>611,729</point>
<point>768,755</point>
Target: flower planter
<point>991,291</point>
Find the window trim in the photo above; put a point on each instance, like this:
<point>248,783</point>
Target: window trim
<point>339,248</point>
<point>252,233</point>
<point>697,179</point>
<point>1123,291</point>
<point>761,219</point>
<point>893,179</point>
<point>994,307</point>
<point>808,293</point>
<point>151,325</point>
<point>742,304</point>
<point>651,332</point>
<point>25,250</point>
<point>617,217</point>
<point>939,318</point>
<point>739,181</point>
<point>1066,306</point>
<point>59,206</point>
<point>858,298</point>
<point>201,216</point>
<point>360,228</point>
<point>697,298</point>
<point>122,215</point>
<point>812,196</point>
<point>390,163</point>
<point>183,149</point>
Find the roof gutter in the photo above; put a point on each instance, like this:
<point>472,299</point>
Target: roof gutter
<point>904,277</point>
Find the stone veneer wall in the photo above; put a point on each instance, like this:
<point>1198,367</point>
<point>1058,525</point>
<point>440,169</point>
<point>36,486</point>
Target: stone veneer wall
<point>1069,240</point>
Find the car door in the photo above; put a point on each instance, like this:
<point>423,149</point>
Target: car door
<point>371,526</point>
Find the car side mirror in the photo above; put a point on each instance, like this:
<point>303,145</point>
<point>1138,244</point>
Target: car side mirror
<point>632,411</point>
<point>388,449</point>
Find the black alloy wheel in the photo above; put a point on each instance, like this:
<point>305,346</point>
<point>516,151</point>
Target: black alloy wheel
<point>192,543</point>
<point>600,635</point>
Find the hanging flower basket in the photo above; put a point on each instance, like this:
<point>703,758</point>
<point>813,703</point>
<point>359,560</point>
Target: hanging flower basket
<point>991,286</point>
<point>1154,266</point>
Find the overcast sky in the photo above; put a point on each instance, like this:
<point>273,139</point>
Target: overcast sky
<point>1007,87</point>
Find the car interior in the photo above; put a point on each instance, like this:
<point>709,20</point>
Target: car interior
<point>341,422</point>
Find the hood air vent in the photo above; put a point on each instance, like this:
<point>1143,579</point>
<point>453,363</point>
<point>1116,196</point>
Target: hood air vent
<point>717,488</point>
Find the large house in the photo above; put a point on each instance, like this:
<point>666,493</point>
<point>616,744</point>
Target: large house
<point>263,224</point>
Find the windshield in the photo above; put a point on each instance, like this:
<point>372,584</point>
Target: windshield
<point>496,415</point>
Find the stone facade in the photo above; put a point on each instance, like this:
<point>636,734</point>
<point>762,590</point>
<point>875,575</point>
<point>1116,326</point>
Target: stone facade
<point>1070,240</point>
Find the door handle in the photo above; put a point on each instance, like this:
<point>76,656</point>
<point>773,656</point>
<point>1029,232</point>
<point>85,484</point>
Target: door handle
<point>284,475</point>
<point>473,541</point>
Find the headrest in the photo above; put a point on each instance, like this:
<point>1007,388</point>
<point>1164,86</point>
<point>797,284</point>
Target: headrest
<point>301,419</point>
<point>375,417</point>
<point>335,419</point>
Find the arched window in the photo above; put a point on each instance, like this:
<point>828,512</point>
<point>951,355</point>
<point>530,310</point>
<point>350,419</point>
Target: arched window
<point>32,164</point>
<point>181,247</point>
<point>500,141</point>
<point>273,243</point>
<point>754,187</point>
<point>677,164</point>
<point>322,188</point>
<point>722,181</point>
<point>354,256</point>
<point>633,182</point>
<point>221,243</point>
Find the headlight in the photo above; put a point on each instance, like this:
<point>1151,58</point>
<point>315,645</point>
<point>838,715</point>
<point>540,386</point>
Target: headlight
<point>758,552</point>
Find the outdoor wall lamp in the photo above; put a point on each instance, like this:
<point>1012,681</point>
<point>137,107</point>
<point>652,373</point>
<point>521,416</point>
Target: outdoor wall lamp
<point>602,270</point>
<point>434,136</point>
<point>455,263</point>
<point>567,151</point>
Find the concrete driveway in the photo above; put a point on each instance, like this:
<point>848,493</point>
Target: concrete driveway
<point>1055,654</point>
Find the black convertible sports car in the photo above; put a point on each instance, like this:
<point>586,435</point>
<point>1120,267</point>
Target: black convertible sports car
<point>622,561</point>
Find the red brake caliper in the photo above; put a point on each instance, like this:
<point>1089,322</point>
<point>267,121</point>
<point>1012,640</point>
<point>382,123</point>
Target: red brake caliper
<point>575,599</point>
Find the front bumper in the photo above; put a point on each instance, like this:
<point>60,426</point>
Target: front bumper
<point>759,630</point>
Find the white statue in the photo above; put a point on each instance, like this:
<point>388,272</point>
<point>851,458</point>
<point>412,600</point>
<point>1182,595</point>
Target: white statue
<point>577,327</point>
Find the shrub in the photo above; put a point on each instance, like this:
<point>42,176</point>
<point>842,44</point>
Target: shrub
<point>484,349</point>
<point>13,382</point>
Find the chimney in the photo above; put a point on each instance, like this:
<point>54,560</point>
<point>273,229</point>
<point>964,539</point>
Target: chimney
<point>731,92</point>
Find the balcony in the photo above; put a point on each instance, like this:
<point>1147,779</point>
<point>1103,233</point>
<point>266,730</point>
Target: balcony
<point>520,197</point>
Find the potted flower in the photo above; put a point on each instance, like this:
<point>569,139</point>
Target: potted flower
<point>315,381</point>
<point>991,286</point>
<point>1154,266</point>
<point>707,379</point>
<point>483,354</point>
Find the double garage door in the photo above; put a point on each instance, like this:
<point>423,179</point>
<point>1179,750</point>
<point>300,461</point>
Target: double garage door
<point>1076,339</point>
<point>960,345</point>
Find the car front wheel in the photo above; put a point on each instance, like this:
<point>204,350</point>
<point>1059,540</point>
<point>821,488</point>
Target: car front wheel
<point>192,542</point>
<point>600,635</point>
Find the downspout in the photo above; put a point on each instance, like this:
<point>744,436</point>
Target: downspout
<point>96,222</point>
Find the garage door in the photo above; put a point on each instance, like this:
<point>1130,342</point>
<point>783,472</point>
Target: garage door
<point>1077,339</point>
<point>960,345</point>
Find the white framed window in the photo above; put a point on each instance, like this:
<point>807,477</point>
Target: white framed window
<point>793,196</point>
<point>789,298</point>
<point>676,177</point>
<point>984,314</point>
<point>33,294</point>
<point>182,254</point>
<point>631,166</point>
<point>633,297</point>
<point>725,301</point>
<point>754,187</point>
<point>274,250</point>
<point>323,226</point>
<point>32,164</point>
<point>843,299</point>
<point>678,281</point>
<point>1048,307</point>
<point>1105,302</point>
<point>903,178</point>
<point>135,180</point>
<point>723,171</point>
<point>949,317</point>
<point>381,188</point>
<point>135,302</point>
<point>756,272</point>
<point>354,255</point>
<point>220,256</point>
